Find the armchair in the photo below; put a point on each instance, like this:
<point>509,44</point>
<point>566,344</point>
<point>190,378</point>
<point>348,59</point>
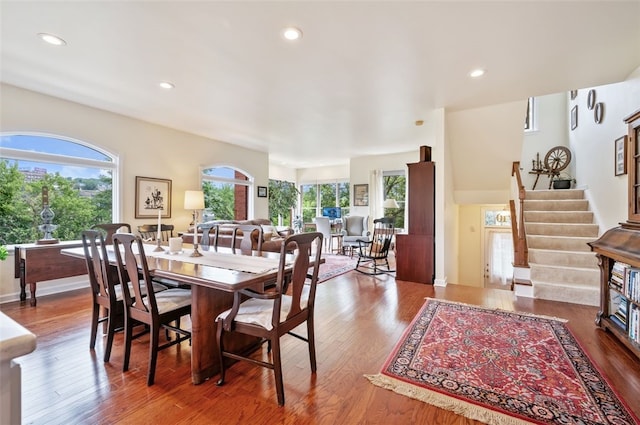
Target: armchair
<point>354,229</point>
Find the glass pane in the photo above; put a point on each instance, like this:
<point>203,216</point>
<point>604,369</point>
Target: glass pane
<point>78,196</point>
<point>219,200</point>
<point>51,145</point>
<point>328,195</point>
<point>395,187</point>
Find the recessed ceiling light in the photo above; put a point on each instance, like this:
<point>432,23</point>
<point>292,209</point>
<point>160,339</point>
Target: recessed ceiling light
<point>52,39</point>
<point>476,73</point>
<point>292,33</point>
<point>167,85</point>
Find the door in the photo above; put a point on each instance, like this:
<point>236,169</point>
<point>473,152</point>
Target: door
<point>498,258</point>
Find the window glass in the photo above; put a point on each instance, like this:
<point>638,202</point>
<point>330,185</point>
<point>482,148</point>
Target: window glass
<point>315,196</point>
<point>500,218</point>
<point>79,179</point>
<point>395,187</point>
<point>226,193</point>
<point>309,202</point>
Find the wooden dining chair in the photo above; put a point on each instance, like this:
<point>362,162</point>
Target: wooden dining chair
<point>156,310</point>
<point>250,240</point>
<point>209,236</point>
<point>106,301</point>
<point>270,315</point>
<point>110,228</point>
<point>149,232</point>
<point>106,292</point>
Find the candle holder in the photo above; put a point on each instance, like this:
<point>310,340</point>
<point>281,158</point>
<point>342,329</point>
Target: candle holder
<point>194,200</point>
<point>158,248</point>
<point>195,252</point>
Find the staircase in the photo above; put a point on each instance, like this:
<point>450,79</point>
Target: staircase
<point>559,225</point>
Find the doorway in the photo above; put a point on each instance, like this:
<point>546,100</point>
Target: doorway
<point>498,249</point>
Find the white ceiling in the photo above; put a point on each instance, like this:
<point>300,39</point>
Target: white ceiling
<point>356,82</point>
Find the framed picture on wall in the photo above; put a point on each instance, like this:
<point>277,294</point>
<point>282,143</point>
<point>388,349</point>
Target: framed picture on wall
<point>152,195</point>
<point>262,191</point>
<point>620,156</point>
<point>574,117</point>
<point>360,195</point>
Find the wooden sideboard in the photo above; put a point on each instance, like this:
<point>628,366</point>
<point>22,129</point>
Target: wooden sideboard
<point>35,263</point>
<point>415,251</point>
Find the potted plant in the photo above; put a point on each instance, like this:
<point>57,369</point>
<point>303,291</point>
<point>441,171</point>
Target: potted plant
<point>563,181</point>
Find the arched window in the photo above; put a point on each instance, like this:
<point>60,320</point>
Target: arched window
<point>81,181</point>
<point>227,193</point>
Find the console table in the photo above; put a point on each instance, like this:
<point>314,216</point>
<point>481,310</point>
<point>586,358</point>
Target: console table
<point>35,263</point>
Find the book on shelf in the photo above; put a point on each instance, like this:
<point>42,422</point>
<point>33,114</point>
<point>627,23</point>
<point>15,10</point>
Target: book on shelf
<point>618,322</point>
<point>634,323</point>
<point>626,279</point>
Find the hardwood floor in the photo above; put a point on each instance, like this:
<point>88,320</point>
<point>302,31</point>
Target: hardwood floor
<point>359,319</point>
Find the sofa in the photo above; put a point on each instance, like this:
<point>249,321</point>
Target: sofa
<point>273,236</point>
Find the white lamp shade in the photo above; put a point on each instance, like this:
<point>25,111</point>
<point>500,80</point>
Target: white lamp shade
<point>193,200</point>
<point>390,203</point>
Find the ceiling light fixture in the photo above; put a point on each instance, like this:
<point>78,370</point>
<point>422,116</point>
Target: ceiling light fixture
<point>167,85</point>
<point>476,73</point>
<point>419,123</point>
<point>52,39</point>
<point>292,33</point>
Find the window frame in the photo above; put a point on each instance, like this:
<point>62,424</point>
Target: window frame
<point>50,158</point>
<point>249,183</point>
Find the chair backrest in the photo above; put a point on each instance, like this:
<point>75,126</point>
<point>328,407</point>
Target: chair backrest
<point>323,225</point>
<point>149,232</point>
<point>306,246</point>
<point>134,269</point>
<point>251,238</point>
<point>101,279</point>
<point>355,225</point>
<point>209,231</point>
<point>383,232</point>
<point>109,229</point>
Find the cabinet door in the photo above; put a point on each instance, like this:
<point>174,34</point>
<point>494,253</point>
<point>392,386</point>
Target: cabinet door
<point>633,167</point>
<point>421,198</point>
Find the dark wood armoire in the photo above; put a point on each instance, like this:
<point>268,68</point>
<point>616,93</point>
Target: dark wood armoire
<point>415,250</point>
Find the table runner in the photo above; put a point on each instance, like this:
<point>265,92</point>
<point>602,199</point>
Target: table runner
<point>242,263</point>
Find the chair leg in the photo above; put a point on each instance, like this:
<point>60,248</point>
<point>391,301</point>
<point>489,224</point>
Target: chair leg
<point>153,353</point>
<point>312,344</point>
<point>277,369</point>
<point>111,330</point>
<point>219,333</point>
<point>94,325</point>
<point>128,336</point>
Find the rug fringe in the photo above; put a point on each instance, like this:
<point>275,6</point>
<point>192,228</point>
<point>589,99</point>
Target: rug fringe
<point>558,319</point>
<point>452,404</point>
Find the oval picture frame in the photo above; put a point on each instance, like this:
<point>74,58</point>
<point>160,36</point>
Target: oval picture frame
<point>598,113</point>
<point>591,99</point>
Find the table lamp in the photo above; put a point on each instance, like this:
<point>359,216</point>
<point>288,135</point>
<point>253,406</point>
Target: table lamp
<point>194,200</point>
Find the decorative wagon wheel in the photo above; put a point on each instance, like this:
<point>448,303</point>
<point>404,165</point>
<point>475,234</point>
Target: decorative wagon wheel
<point>557,159</point>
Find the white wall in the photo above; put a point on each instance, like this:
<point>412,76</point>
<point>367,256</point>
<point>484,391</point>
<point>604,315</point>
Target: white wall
<point>484,142</point>
<point>593,146</point>
<point>144,149</point>
<point>277,172</point>
<point>550,131</point>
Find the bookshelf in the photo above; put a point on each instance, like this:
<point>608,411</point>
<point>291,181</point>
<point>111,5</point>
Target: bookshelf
<point>618,252</point>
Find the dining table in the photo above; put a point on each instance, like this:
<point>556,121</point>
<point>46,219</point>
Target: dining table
<point>214,277</point>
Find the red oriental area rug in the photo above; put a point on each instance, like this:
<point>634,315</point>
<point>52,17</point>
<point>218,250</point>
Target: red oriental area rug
<point>335,265</point>
<point>499,367</point>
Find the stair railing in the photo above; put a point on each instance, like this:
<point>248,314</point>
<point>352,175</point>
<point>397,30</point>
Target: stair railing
<point>520,249</point>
